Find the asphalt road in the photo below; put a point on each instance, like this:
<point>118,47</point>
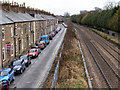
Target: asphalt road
<point>33,76</point>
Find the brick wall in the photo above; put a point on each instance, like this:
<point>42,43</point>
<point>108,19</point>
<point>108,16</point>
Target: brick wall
<point>8,55</point>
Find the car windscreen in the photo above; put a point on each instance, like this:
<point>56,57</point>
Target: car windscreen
<point>43,38</point>
<point>16,63</point>
<point>31,51</point>
<point>39,44</point>
<point>23,57</point>
<point>3,73</point>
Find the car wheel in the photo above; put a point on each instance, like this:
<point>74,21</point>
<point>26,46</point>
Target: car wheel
<point>27,64</point>
<point>30,63</point>
<point>24,68</point>
<point>21,71</point>
<point>13,78</point>
<point>9,82</point>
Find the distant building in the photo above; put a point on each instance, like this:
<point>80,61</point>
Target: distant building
<point>97,9</point>
<point>83,11</point>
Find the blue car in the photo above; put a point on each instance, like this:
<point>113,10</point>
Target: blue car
<point>45,38</point>
<point>6,76</point>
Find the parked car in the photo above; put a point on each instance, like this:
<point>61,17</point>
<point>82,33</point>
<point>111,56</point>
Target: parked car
<point>58,29</point>
<point>27,59</point>
<point>41,45</point>
<point>1,85</point>
<point>36,47</point>
<point>45,38</point>
<point>6,76</point>
<point>50,36</point>
<point>43,42</point>
<point>33,52</point>
<point>18,66</point>
<point>53,34</point>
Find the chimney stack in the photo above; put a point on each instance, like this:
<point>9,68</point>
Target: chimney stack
<point>5,5</point>
<point>15,7</point>
<point>22,8</point>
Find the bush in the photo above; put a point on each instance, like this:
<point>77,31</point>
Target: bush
<point>108,19</point>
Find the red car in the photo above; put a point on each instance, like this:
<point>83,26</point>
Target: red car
<point>53,34</point>
<point>33,52</point>
<point>2,87</point>
<point>41,45</point>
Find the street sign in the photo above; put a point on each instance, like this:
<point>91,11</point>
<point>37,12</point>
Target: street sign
<point>8,46</point>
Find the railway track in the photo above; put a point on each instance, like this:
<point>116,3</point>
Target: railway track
<point>102,42</point>
<point>106,43</point>
<point>110,76</point>
<point>103,66</point>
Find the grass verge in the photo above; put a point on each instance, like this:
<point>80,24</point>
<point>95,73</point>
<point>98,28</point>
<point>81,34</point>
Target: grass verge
<point>106,36</point>
<point>71,72</point>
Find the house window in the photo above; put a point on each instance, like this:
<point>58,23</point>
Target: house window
<point>11,31</point>
<point>3,34</point>
<point>12,49</point>
<point>24,28</point>
<point>22,45</point>
<point>16,30</point>
<point>29,27</point>
<point>3,55</point>
<point>36,25</point>
<point>16,47</point>
<point>29,40</point>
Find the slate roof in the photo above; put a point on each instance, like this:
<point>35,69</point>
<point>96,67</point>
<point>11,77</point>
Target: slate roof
<point>46,17</point>
<point>3,19</point>
<point>11,17</point>
<point>39,17</point>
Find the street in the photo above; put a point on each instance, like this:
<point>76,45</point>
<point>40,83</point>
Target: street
<point>36,72</point>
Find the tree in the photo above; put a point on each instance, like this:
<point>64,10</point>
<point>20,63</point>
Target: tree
<point>110,5</point>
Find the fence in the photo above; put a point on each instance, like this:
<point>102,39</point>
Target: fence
<point>55,78</point>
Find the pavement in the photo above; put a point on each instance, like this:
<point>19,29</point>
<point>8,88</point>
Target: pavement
<point>33,76</point>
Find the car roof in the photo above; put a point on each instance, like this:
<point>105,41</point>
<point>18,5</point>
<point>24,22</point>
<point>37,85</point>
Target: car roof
<point>34,46</point>
<point>33,49</point>
<point>24,55</point>
<point>44,36</point>
<point>18,60</point>
<point>40,43</point>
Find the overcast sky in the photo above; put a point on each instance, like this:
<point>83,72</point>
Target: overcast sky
<point>58,7</point>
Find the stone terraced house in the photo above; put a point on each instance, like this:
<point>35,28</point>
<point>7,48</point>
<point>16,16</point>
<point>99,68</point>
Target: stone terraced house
<point>21,28</point>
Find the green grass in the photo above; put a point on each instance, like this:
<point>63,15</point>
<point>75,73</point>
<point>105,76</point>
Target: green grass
<point>74,58</point>
<point>74,84</point>
<point>107,36</point>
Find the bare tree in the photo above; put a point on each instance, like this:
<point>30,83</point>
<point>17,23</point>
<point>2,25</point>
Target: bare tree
<point>110,5</point>
<point>66,14</point>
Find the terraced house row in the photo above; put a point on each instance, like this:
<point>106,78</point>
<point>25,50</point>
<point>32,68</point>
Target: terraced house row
<point>21,27</point>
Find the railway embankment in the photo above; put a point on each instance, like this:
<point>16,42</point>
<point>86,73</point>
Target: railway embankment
<point>71,72</point>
